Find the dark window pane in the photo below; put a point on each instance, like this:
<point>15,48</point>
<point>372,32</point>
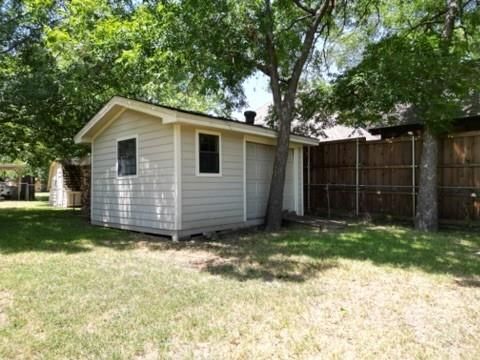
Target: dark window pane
<point>208,142</point>
<point>209,155</point>
<point>127,157</point>
<point>209,163</point>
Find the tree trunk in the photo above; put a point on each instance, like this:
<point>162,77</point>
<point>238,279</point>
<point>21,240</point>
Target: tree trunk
<point>85,188</point>
<point>427,210</point>
<point>275,200</point>
<point>284,105</point>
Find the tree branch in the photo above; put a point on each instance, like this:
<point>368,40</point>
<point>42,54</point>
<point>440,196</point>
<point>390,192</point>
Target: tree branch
<point>262,67</point>
<point>453,9</point>
<point>292,24</point>
<point>304,7</point>
<point>323,11</point>
<point>438,17</point>
<point>272,54</point>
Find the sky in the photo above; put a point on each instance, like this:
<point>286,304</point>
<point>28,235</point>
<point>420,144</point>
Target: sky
<point>257,92</point>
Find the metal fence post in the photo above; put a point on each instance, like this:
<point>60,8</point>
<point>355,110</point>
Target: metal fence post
<point>308,181</point>
<point>413,178</point>
<point>357,179</point>
<point>328,200</point>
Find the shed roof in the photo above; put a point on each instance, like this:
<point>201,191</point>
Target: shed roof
<point>170,115</point>
<point>14,167</point>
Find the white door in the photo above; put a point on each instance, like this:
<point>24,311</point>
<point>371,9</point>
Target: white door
<point>259,166</point>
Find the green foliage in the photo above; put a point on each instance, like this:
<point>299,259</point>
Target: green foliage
<point>410,66</point>
<point>60,61</point>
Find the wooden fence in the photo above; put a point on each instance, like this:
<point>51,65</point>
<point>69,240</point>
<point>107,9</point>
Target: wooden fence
<point>371,178</point>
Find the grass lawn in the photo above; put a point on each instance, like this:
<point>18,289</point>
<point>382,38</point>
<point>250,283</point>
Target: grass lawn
<point>70,290</point>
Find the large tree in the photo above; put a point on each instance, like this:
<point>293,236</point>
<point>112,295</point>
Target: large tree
<point>229,40</point>
<point>60,61</point>
<point>426,61</point>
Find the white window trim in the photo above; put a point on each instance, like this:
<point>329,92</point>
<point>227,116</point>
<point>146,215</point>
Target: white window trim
<point>197,153</point>
<point>136,156</point>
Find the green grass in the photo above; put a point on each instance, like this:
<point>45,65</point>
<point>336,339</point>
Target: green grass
<point>42,196</point>
<point>71,290</point>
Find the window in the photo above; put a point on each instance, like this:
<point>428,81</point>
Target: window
<point>127,157</point>
<point>208,154</point>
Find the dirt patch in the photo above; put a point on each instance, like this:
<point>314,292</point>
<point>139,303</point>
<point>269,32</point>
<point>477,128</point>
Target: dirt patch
<point>5,302</point>
<point>194,259</point>
<point>150,352</point>
<point>187,254</point>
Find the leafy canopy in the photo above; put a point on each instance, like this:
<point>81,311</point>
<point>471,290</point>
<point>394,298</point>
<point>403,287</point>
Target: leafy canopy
<point>60,61</point>
<point>410,66</point>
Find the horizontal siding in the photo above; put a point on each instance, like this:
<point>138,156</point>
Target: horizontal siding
<point>213,214</point>
<point>212,200</point>
<point>212,222</point>
<point>135,208</point>
<point>132,221</point>
<point>134,215</point>
<point>146,189</point>
<point>109,197</point>
<point>153,177</point>
<point>147,200</point>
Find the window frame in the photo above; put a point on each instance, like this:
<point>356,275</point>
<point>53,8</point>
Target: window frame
<point>199,132</point>
<point>130,137</point>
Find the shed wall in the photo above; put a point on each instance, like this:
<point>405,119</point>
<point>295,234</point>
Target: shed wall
<point>145,201</point>
<point>209,201</point>
<point>213,201</point>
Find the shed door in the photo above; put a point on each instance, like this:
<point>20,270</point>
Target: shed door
<point>259,166</point>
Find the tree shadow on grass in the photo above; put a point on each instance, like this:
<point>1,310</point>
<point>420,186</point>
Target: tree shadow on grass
<point>299,253</point>
<point>42,228</point>
<point>295,254</point>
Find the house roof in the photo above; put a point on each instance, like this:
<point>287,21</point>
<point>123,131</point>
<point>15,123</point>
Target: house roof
<point>170,115</point>
<point>405,118</point>
<point>323,131</point>
<point>342,132</point>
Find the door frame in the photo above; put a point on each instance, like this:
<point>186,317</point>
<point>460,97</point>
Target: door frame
<point>297,168</point>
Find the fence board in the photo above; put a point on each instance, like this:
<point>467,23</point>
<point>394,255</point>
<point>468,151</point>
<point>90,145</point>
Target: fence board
<point>386,177</point>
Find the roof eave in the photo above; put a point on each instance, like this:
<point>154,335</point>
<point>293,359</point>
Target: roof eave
<point>169,116</point>
<point>238,127</point>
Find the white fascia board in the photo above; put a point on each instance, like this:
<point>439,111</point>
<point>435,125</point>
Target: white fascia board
<point>80,136</point>
<point>169,116</point>
<point>196,120</point>
<point>156,111</point>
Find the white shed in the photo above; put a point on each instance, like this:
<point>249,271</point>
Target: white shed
<point>64,183</point>
<point>167,171</point>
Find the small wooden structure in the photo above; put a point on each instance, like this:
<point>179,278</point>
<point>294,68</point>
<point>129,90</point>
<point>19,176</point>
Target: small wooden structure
<point>169,171</point>
<point>65,182</point>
